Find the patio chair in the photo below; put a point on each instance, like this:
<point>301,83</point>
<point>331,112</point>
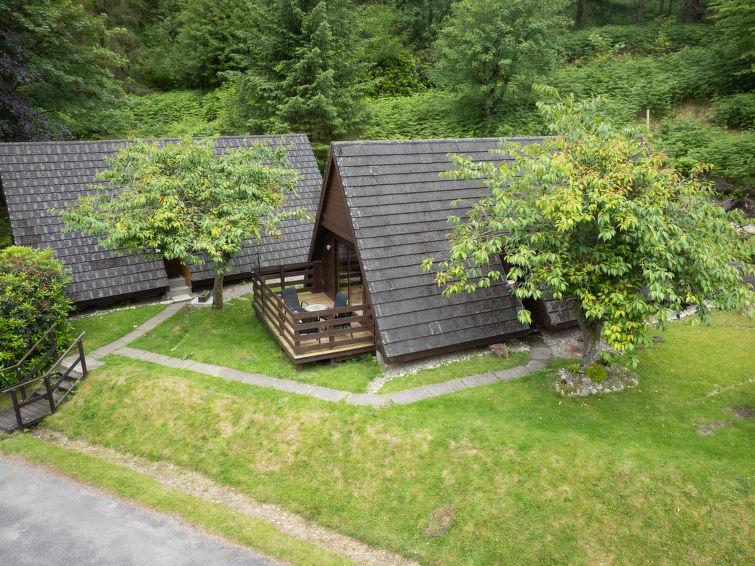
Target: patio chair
<point>341,301</point>
<point>291,300</point>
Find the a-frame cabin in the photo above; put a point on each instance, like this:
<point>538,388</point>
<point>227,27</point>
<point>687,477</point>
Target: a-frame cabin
<point>384,208</point>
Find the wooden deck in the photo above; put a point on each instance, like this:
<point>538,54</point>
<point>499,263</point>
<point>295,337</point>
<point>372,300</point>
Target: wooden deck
<point>316,335</point>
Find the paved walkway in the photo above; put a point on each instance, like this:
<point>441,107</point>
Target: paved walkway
<point>539,354</point>
<point>47,519</point>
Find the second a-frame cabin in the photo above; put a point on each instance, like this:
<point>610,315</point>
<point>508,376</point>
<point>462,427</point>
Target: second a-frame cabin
<point>384,208</point>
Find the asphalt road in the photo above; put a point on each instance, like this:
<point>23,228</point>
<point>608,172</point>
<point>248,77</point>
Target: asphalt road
<point>46,519</point>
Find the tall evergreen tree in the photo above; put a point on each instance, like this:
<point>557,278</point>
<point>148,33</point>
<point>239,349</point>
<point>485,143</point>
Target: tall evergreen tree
<point>303,72</point>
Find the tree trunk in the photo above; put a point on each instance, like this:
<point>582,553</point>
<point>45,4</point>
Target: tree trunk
<point>591,331</point>
<point>691,11</point>
<point>670,4</point>
<point>660,10</point>
<point>217,291</point>
<point>640,8</point>
<point>580,16</point>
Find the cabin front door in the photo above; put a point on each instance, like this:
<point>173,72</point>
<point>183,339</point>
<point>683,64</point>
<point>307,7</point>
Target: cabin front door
<point>348,276</point>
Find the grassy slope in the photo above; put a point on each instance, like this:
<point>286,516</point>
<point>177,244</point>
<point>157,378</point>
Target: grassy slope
<point>214,517</point>
<point>102,329</point>
<point>531,475</point>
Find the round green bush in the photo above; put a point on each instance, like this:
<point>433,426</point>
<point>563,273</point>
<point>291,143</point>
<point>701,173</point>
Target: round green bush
<point>32,298</point>
<point>597,372</point>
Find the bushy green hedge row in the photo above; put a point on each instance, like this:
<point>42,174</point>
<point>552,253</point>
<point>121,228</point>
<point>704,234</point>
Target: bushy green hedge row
<point>32,298</point>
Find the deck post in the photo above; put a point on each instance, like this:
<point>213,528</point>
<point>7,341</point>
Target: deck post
<point>17,409</point>
<point>50,398</point>
<point>81,357</point>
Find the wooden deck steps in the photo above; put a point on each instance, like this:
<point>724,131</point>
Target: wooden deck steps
<point>41,391</point>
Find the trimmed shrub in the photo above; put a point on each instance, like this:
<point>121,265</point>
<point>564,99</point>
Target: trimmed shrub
<point>32,298</point>
<point>597,373</point>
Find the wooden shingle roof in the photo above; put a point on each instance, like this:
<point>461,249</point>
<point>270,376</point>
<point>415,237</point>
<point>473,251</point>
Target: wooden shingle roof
<point>399,206</point>
<point>39,176</point>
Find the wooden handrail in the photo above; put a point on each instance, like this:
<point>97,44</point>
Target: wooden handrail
<point>22,360</point>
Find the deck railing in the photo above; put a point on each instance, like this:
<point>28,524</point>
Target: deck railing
<point>52,379</point>
<point>330,333</point>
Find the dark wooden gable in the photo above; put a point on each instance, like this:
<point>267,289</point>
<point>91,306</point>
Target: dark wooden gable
<point>399,206</point>
<point>334,212</point>
<point>39,176</point>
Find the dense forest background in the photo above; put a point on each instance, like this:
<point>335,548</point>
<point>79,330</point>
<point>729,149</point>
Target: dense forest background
<point>347,69</point>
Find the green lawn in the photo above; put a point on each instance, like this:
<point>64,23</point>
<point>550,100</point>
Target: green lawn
<point>480,363</point>
<point>532,477</point>
<point>234,337</point>
<point>102,329</point>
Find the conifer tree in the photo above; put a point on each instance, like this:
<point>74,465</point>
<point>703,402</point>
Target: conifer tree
<point>302,70</point>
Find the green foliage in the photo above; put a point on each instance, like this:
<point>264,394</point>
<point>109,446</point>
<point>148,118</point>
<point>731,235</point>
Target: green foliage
<point>735,24</point>
<point>321,155</point>
<point>493,48</point>
<point>32,298</point>
<point>5,239</point>
<point>177,113</point>
<point>736,111</point>
<point>438,114</point>
<point>206,42</point>
<point>659,36</point>
<point>55,62</point>
<point>689,141</point>
<point>392,70</point>
<point>594,215</point>
<point>597,373</point>
<point>186,201</point>
<point>303,71</point>
<point>633,84</point>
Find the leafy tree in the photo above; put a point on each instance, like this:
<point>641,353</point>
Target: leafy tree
<point>489,48</point>
<point>186,201</point>
<point>56,73</point>
<point>302,69</point>
<point>594,216</point>
<point>735,21</point>
<point>423,19</point>
<point>206,41</point>
<point>392,69</point>
<point>32,298</point>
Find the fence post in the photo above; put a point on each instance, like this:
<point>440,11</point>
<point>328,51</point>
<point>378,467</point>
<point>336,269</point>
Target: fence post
<point>81,358</point>
<point>16,409</point>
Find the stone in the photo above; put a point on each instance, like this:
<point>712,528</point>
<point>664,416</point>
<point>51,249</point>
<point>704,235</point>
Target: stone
<point>513,373</point>
<point>327,394</point>
<point>749,229</point>
<point>480,379</point>
<point>657,339</point>
<point>586,380</point>
<point>409,396</point>
<point>369,400</point>
<point>574,349</point>
<point>446,387</point>
<point>291,386</point>
<point>535,365</point>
